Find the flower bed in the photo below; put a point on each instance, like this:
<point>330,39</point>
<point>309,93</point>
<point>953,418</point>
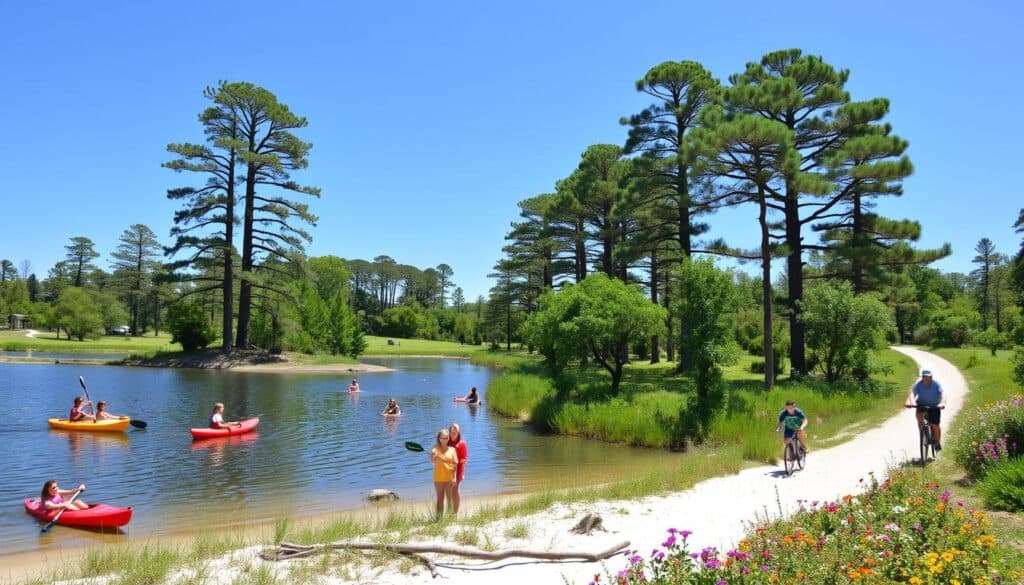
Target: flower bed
<point>897,531</point>
<point>989,435</point>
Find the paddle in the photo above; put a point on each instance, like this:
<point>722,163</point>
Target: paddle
<point>413,446</point>
<point>139,424</point>
<point>50,524</point>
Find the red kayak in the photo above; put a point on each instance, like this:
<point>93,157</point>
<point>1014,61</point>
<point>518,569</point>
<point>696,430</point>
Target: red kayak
<point>244,426</point>
<point>95,516</point>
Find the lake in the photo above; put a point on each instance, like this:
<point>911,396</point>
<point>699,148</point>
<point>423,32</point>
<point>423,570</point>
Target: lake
<point>318,449</point>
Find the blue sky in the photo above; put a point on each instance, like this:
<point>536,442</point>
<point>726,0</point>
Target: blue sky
<point>431,120</point>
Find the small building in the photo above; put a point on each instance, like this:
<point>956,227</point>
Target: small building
<point>16,321</point>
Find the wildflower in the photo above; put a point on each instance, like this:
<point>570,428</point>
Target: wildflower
<point>891,527</point>
<point>916,580</point>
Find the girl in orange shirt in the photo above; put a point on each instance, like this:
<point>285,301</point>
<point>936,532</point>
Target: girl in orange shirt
<point>445,460</point>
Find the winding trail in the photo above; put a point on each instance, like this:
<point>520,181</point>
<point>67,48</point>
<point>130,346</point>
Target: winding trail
<point>31,333</point>
<point>716,510</point>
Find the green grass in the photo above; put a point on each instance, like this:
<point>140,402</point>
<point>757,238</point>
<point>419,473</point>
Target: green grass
<point>652,399</point>
<point>48,341</point>
<point>378,346</point>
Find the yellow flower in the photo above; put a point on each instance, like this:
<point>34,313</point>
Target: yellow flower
<point>947,556</point>
<point>937,568</point>
<point>986,540</point>
<point>954,582</point>
<point>940,507</point>
<point>916,581</point>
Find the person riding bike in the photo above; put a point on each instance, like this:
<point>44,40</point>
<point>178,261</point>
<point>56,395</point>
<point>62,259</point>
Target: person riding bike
<point>927,395</point>
<point>794,421</point>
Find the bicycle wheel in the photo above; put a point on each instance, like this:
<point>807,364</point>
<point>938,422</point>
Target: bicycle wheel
<point>926,440</point>
<point>801,454</point>
<point>789,457</point>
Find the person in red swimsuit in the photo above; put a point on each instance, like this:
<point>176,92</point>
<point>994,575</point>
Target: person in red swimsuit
<point>455,432</point>
<point>76,414</point>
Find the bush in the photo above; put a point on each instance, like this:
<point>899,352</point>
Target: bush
<point>899,531</point>
<point>843,329</point>
<point>1003,487</point>
<point>188,326</point>
<point>990,435</point>
<point>991,339</point>
<point>1018,365</point>
<point>757,366</point>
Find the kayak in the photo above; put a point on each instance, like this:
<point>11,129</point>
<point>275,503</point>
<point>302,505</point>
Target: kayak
<point>95,516</point>
<point>117,424</point>
<point>245,426</point>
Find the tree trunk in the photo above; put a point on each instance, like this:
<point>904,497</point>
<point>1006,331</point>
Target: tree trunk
<point>766,291</point>
<point>794,268</point>
<point>856,262</point>
<point>655,349</point>
<point>228,284</point>
<point>581,252</point>
<point>245,285</point>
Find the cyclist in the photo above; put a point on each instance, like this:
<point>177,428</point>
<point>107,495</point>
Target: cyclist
<point>927,395</point>
<point>793,420</point>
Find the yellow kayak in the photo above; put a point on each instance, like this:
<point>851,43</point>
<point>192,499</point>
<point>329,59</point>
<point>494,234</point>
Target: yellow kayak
<point>118,424</point>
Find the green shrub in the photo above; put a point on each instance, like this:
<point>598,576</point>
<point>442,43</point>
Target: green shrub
<point>188,326</point>
<point>757,366</point>
<point>1018,365</point>
<point>1003,487</point>
<point>989,435</point>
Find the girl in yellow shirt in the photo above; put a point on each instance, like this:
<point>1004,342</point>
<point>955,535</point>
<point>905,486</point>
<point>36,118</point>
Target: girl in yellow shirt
<point>445,460</point>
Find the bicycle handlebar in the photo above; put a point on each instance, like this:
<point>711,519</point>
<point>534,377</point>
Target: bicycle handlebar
<point>936,407</point>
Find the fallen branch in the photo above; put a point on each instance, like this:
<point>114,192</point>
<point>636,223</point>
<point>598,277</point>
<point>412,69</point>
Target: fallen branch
<point>287,551</point>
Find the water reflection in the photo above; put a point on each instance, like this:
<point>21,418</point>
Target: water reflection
<point>319,449</point>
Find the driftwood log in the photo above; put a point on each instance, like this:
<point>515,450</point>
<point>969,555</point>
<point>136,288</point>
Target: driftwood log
<point>287,551</point>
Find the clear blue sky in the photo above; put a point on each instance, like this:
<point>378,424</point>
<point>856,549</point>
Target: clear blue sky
<point>430,120</point>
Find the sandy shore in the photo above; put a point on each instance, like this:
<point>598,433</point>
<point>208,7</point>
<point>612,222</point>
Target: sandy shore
<point>718,512</point>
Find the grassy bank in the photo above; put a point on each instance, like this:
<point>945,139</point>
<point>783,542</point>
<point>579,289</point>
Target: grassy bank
<point>653,400</point>
<point>48,341</point>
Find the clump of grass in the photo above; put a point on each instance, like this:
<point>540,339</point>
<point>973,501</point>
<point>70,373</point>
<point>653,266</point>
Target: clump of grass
<point>517,394</point>
<point>518,530</point>
<point>467,537</point>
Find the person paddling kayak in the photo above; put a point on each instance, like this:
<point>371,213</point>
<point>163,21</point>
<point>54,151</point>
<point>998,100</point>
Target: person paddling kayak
<point>77,414</point>
<point>217,418</point>
<point>52,497</point>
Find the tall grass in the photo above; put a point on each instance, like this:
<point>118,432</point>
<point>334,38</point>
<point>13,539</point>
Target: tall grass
<point>653,400</point>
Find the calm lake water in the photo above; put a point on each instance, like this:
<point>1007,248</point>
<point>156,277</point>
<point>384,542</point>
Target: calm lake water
<point>317,450</point>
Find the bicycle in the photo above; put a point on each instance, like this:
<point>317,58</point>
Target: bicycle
<point>794,455</point>
<point>926,438</point>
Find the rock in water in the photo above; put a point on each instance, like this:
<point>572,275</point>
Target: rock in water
<point>380,495</point>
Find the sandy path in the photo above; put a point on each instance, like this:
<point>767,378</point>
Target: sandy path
<point>31,333</point>
<point>716,510</point>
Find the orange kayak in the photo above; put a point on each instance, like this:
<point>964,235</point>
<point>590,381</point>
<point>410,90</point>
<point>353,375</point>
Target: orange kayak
<point>113,425</point>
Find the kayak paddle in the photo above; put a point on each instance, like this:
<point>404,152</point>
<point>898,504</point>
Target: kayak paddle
<point>50,524</point>
<point>413,446</point>
<point>139,424</point>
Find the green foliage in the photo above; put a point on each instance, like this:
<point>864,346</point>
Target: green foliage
<point>76,313</point>
<point>188,326</point>
<point>952,325</point>
<point>112,312</point>
<point>902,530</point>
<point>1003,486</point>
<point>705,300</point>
<point>600,317</point>
<point>991,339</point>
<point>843,329</point>
<point>327,325</point>
<point>1018,365</point>
<point>517,395</point>
<point>989,435</point>
<point>400,322</point>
